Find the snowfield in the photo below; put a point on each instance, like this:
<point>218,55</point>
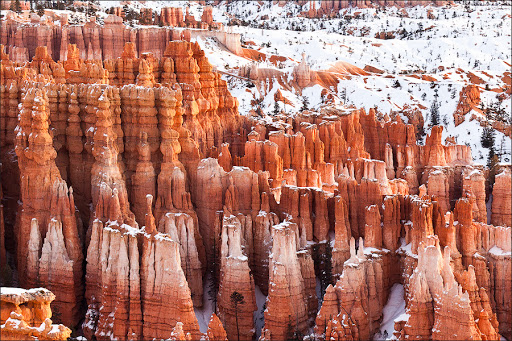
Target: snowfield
<point>461,43</point>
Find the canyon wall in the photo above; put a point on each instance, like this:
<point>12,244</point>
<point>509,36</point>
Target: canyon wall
<point>131,183</point>
<point>97,42</point>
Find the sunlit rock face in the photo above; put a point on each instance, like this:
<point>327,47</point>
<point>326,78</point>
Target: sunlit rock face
<point>27,314</point>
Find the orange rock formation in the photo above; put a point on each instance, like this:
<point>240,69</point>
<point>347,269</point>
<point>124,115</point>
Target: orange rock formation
<point>131,162</point>
<point>26,314</point>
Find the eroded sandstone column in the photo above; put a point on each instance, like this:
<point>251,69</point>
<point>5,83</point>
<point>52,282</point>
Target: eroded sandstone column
<point>286,303</point>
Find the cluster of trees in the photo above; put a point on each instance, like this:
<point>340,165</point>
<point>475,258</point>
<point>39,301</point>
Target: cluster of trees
<point>434,111</point>
<point>16,6</point>
<point>130,15</point>
<point>493,112</point>
<point>39,6</point>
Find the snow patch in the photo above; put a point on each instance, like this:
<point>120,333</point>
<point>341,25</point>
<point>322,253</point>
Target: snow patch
<point>394,310</point>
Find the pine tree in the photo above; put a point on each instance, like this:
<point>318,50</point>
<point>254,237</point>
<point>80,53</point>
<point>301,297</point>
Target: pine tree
<point>236,299</point>
<point>434,114</point>
<point>328,264</point>
<point>40,10</point>
<point>488,138</point>
<point>343,95</point>
<point>493,163</point>
<point>305,103</point>
<point>16,6</point>
<point>277,109</point>
<point>322,257</point>
<point>259,111</point>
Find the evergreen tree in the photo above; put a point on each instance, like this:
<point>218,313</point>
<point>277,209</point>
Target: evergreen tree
<point>305,103</point>
<point>434,114</point>
<point>16,6</point>
<point>40,10</point>
<point>277,109</point>
<point>493,163</point>
<point>259,111</point>
<point>343,95</point>
<point>236,299</point>
<point>328,264</point>
<point>488,138</point>
<point>322,257</point>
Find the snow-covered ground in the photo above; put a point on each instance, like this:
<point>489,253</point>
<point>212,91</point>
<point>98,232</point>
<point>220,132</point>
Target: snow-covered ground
<point>204,314</point>
<point>394,310</point>
<point>461,40</point>
<point>259,318</point>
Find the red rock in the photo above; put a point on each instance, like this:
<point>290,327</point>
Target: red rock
<point>482,311</point>
<point>328,310</point>
<point>501,203</point>
<point>262,227</point>
<point>235,277</point>
<point>308,275</point>
<point>182,227</point>
<point>216,330</point>
<point>473,183</point>
<point>165,292</point>
<point>433,282</point>
<point>302,73</point>
<point>356,290</point>
<point>438,186</point>
<point>45,198</point>
<point>144,179</point>
<point>391,222</point>
<point>138,126</point>
<point>286,302</point>
<point>421,226</point>
<point>420,309</point>
<point>342,234</point>
<point>373,228</point>
<point>467,233</point>
<point>207,17</point>
<point>178,334</point>
<point>469,99</point>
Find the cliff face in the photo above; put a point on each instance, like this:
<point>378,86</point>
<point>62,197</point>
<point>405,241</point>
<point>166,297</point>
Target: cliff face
<point>103,42</point>
<point>139,169</point>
